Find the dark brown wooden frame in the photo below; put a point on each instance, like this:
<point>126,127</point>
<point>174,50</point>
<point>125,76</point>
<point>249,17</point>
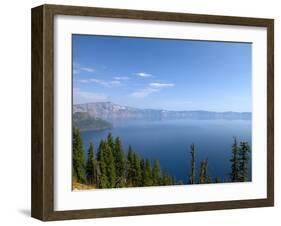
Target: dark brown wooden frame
<point>42,203</point>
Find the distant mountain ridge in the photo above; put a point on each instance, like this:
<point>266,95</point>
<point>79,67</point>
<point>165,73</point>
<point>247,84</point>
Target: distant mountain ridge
<point>110,111</point>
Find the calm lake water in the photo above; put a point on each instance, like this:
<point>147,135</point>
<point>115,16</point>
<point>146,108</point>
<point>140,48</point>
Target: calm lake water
<point>169,141</point>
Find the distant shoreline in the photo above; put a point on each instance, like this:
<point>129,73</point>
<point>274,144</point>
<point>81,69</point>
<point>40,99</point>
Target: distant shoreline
<point>159,109</point>
<point>108,111</point>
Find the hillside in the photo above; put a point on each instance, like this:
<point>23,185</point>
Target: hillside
<point>85,122</point>
<point>110,111</point>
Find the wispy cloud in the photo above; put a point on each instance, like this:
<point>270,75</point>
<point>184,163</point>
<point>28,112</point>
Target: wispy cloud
<point>77,68</point>
<point>121,78</point>
<point>144,92</point>
<point>151,88</point>
<point>80,96</point>
<point>161,85</point>
<point>109,83</point>
<point>87,69</point>
<point>143,74</point>
<point>105,83</point>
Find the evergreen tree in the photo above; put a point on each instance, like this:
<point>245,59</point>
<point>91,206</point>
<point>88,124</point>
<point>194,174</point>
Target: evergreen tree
<point>148,181</point>
<point>203,172</point>
<point>244,161</point>
<point>110,142</point>
<point>167,180</point>
<point>137,174</point>
<point>192,176</point>
<point>156,173</point>
<point>142,166</point>
<point>107,178</point>
<point>112,169</point>
<point>98,174</point>
<point>120,163</point>
<point>91,166</point>
<point>103,179</point>
<point>130,155</point>
<point>111,174</point>
<point>130,166</point>
<point>234,175</point>
<point>78,159</point>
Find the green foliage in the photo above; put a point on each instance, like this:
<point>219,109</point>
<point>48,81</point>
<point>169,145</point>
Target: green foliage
<point>203,172</point>
<point>110,142</point>
<point>156,173</point>
<point>239,165</point>
<point>78,159</point>
<point>120,163</point>
<point>130,155</point>
<point>243,161</point>
<point>103,179</point>
<point>167,180</point>
<point>234,175</point>
<point>136,170</point>
<point>85,122</point>
<point>239,161</point>
<point>107,166</point>
<point>192,177</point>
<point>147,179</point>
<point>110,168</point>
<point>130,166</point>
<point>91,166</point>
<point>142,166</point>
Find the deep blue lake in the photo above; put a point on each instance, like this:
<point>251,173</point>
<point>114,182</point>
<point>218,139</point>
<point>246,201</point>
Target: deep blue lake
<point>169,141</point>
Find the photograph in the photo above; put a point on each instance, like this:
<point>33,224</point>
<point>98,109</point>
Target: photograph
<point>140,112</point>
<point>160,112</point>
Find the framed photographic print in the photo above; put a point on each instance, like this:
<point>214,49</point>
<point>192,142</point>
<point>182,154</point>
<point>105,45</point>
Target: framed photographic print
<point>141,112</point>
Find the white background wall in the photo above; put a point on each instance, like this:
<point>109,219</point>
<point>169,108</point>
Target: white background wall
<point>15,112</point>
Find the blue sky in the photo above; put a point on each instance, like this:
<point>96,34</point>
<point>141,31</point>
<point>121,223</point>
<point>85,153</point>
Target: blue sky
<point>162,74</point>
